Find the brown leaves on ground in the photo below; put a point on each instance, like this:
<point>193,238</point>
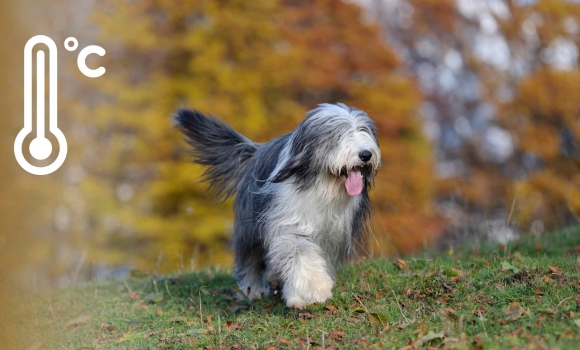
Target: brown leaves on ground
<point>555,270</point>
<point>401,264</point>
<point>336,335</point>
<point>513,312</point>
<point>332,310</point>
<point>231,326</point>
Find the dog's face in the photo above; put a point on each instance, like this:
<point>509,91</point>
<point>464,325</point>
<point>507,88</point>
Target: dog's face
<point>335,141</point>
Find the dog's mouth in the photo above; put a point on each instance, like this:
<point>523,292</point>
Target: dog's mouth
<point>354,180</point>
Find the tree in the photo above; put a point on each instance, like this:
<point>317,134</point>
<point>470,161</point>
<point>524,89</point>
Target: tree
<point>499,80</point>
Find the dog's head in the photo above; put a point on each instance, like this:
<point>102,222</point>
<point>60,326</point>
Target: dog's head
<point>336,141</point>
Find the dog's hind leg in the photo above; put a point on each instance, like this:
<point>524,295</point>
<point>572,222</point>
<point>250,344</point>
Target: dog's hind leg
<point>249,270</point>
<point>301,266</point>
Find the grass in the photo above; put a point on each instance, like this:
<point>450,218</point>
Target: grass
<point>522,296</point>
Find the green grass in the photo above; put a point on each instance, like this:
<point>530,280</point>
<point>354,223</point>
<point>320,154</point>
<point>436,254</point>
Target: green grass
<point>485,297</point>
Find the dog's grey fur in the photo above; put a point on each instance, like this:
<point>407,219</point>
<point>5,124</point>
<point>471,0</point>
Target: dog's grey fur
<point>294,219</point>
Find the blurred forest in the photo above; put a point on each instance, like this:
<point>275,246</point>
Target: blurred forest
<point>477,104</point>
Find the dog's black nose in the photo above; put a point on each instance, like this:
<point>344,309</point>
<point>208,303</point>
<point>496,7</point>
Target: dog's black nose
<point>365,155</point>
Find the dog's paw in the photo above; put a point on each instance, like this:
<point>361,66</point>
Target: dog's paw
<point>315,291</point>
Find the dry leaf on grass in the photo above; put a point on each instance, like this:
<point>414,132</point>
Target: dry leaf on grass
<point>232,326</point>
<point>336,335</point>
<point>377,319</point>
<point>515,311</point>
<point>401,264</point>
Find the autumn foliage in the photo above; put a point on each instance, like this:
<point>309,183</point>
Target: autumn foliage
<point>260,66</point>
<point>445,81</point>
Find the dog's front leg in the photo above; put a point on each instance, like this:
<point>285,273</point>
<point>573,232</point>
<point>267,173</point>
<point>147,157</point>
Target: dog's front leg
<point>300,264</point>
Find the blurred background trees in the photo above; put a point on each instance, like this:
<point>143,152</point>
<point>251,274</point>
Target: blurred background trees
<point>477,103</point>
<point>500,80</point>
<point>258,65</point>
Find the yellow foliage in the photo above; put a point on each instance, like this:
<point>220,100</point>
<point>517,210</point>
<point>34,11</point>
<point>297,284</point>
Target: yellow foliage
<point>258,65</point>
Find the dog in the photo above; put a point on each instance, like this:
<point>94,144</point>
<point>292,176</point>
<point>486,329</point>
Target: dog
<point>302,202</point>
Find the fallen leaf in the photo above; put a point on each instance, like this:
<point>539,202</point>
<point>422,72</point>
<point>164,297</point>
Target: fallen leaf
<point>232,326</point>
<point>401,264</point>
<point>284,341</point>
<point>378,319</point>
<point>77,322</point>
<point>554,270</point>
<point>515,311</point>
<point>331,309</point>
<point>336,335</point>
<point>548,280</point>
<point>447,288</point>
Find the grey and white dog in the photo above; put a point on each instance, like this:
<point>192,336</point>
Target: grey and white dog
<point>301,200</point>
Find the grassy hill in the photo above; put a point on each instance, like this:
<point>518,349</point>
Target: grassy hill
<point>526,295</point>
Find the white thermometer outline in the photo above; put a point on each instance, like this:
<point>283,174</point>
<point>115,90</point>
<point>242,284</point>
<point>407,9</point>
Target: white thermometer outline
<point>40,147</point>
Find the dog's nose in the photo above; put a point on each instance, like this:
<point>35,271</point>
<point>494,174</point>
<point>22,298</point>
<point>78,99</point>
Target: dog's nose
<point>365,155</point>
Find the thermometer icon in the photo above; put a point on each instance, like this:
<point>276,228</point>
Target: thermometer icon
<point>40,147</point>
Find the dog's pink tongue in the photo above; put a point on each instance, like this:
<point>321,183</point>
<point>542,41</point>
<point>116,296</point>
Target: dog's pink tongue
<point>354,182</point>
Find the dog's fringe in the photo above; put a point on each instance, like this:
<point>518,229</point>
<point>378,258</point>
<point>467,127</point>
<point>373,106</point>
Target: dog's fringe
<point>217,146</point>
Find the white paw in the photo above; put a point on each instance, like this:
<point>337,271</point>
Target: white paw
<point>315,291</point>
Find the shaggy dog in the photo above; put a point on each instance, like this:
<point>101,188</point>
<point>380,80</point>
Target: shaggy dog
<point>301,200</point>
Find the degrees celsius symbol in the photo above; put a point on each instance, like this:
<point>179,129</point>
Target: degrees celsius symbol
<point>40,147</point>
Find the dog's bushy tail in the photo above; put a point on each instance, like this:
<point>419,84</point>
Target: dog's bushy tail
<point>215,144</point>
